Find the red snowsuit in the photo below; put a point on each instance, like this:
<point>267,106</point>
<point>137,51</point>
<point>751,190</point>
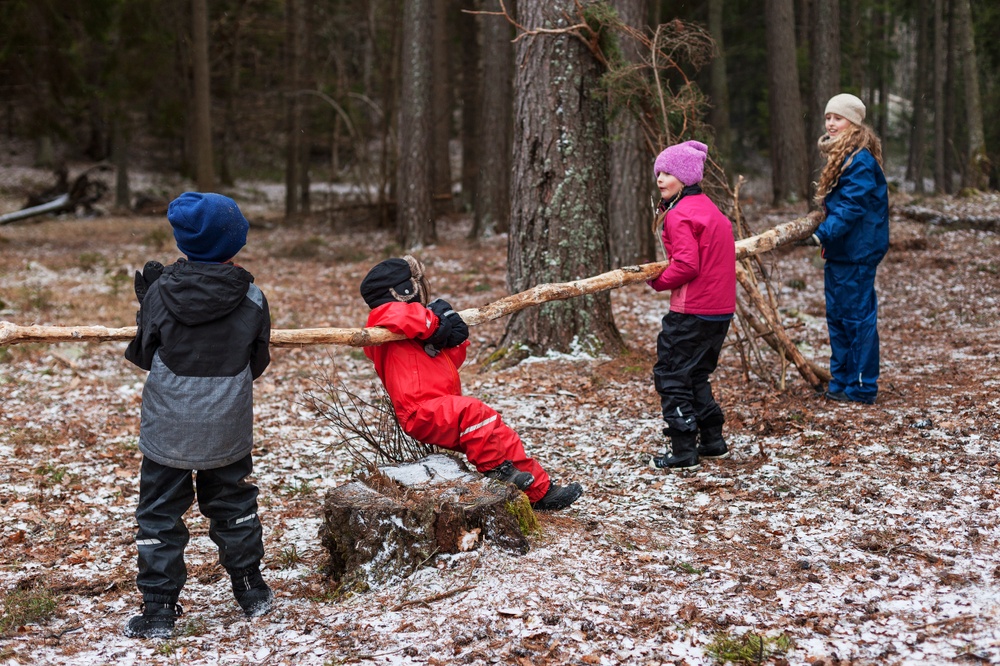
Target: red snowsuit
<point>426,393</point>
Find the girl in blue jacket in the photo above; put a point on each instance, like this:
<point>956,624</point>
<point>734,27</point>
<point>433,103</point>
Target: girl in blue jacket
<point>855,237</point>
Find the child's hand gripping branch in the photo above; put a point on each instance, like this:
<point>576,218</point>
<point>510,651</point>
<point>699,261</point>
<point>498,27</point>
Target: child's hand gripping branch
<point>420,374</point>
<point>452,329</point>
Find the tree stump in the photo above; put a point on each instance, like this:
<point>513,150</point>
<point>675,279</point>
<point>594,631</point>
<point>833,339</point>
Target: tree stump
<point>378,531</point>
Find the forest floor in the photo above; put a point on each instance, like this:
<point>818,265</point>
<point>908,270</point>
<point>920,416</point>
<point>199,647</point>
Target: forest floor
<point>836,533</point>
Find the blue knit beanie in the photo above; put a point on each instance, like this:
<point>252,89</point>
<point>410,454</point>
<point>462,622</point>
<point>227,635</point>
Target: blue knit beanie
<point>207,227</point>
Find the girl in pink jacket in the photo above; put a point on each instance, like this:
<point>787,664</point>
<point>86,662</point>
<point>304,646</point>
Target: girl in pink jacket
<point>698,241</point>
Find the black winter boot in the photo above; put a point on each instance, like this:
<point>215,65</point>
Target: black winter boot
<point>505,472</point>
<point>558,497</point>
<point>251,592</point>
<point>157,620</point>
<point>711,443</point>
<point>684,452</point>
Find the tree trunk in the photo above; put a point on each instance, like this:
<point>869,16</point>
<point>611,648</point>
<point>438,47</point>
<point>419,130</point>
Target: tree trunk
<point>293,107</point>
<point>202,143</point>
<point>232,91</point>
<point>306,81</point>
<point>559,216</point>
<point>441,106</point>
<point>390,146</point>
<point>951,162</point>
<point>918,126</point>
<point>631,240</point>
<point>790,173</point>
<point>719,113</point>
<point>471,100</point>
<point>976,172</point>
<point>940,67</point>
<point>492,204</point>
<point>825,46</point>
<point>414,171</point>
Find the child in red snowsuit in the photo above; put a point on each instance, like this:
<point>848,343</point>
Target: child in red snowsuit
<point>420,374</point>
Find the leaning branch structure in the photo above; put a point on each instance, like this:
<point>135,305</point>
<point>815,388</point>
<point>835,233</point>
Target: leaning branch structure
<point>782,234</point>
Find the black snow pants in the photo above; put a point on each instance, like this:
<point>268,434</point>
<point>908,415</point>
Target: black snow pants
<point>687,352</point>
<point>224,497</point>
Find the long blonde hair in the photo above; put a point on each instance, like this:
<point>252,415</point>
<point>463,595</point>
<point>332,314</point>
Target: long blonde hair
<point>840,152</point>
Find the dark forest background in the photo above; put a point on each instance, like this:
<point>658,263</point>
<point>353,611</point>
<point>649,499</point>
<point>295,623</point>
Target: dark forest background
<point>536,117</point>
<point>87,79</point>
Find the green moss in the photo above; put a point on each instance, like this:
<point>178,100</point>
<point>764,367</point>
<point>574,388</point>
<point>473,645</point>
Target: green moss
<point>527,521</point>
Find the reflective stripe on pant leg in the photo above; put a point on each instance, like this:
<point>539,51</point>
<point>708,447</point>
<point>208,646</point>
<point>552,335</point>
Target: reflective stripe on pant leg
<point>679,348</point>
<point>230,503</point>
<point>466,424</point>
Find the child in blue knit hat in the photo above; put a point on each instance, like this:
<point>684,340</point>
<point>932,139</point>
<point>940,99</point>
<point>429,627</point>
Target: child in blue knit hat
<point>203,333</point>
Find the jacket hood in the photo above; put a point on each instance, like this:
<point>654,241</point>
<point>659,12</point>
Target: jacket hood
<point>196,293</point>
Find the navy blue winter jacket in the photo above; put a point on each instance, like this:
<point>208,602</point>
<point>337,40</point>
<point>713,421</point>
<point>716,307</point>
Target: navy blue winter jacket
<point>856,228</point>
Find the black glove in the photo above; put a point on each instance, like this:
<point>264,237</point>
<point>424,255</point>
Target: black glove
<point>459,330</point>
<point>151,272</point>
<point>439,337</point>
<point>812,241</point>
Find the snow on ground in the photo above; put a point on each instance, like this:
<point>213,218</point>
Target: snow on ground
<point>842,533</point>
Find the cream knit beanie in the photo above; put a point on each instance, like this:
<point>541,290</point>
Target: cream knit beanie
<point>848,106</point>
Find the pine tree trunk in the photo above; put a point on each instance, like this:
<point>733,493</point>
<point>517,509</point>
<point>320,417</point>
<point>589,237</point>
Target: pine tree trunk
<point>632,182</point>
<point>976,172</point>
<point>441,95</point>
<point>918,126</point>
<point>559,216</point>
<point>306,81</point>
<point>293,112</point>
<point>202,144</point>
<point>492,204</point>
<point>790,175</point>
<point>468,29</point>
<point>940,67</point>
<point>414,171</point>
<point>719,112</point>
<point>825,45</point>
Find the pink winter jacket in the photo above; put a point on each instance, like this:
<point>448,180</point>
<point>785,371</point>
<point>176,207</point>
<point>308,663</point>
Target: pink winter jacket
<point>698,240</point>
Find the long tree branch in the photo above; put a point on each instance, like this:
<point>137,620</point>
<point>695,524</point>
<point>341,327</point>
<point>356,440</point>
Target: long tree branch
<point>782,234</point>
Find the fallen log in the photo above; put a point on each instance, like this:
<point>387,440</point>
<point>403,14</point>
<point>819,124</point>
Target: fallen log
<point>59,204</point>
<point>782,234</point>
<point>64,197</point>
<point>941,219</point>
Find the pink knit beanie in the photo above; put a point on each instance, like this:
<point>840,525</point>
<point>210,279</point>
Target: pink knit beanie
<point>685,162</point>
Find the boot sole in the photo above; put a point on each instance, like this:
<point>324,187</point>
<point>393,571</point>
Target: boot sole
<point>717,457</point>
<point>692,468</point>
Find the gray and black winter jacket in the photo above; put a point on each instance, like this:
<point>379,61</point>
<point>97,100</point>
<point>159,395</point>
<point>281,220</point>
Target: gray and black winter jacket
<point>203,332</point>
